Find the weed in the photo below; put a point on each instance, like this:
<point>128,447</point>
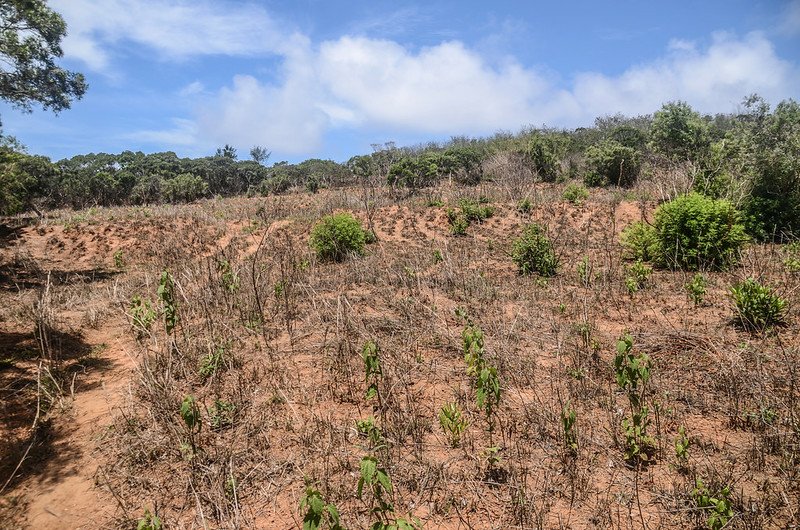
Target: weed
<point>524,206</point>
<point>568,419</point>
<point>372,369</point>
<point>575,193</point>
<point>221,414</point>
<point>372,432</point>
<point>632,372</point>
<point>190,413</point>
<point>584,269</point>
<point>166,293</point>
<point>792,259</point>
<point>119,261</point>
<point>718,504</point>
<point>437,256</point>
<point>453,423</point>
<point>696,287</point>
<point>534,253</point>
<point>212,362</point>
<point>318,514</point>
<point>149,521</point>
<point>230,279</point>
<point>637,277</point>
<point>640,242</point>
<point>757,307</point>
<point>142,314</point>
<point>682,444</point>
<point>375,479</point>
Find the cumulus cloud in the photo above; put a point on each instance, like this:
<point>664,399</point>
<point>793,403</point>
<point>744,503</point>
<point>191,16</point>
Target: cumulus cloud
<point>450,89</point>
<point>712,80</point>
<point>357,82</point>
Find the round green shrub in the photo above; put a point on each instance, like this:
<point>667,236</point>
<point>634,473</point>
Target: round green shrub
<point>534,253</point>
<point>758,308</point>
<point>335,237</point>
<point>610,162</point>
<point>640,242</point>
<point>695,231</point>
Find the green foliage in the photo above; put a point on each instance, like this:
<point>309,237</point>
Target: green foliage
<point>30,43</point>
<point>568,419</point>
<point>575,193</point>
<point>640,242</point>
<point>637,277</point>
<point>695,232</point>
<point>414,172</point>
<point>757,306</point>
<point>119,261</point>
<point>190,413</point>
<point>369,429</point>
<point>485,376</point>
<point>610,162</point>
<point>212,362</point>
<point>696,287</point>
<point>142,314</point>
<point>678,132</point>
<point>337,236</point>
<point>185,187</point>
<point>524,206</point>
<point>682,444</point>
<point>166,293</point>
<point>718,505</point>
<point>372,369</point>
<point>632,372</point>
<point>544,153</point>
<point>453,423</point>
<point>318,514</point>
<point>149,521</point>
<point>534,252</point>
<point>229,277</point>
<point>221,414</point>
<point>16,184</point>
<point>584,269</point>
<point>792,257</point>
<point>471,211</point>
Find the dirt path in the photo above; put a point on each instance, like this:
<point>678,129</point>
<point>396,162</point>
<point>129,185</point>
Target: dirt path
<point>65,491</point>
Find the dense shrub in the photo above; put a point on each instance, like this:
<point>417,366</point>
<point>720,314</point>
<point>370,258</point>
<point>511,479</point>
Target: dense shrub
<point>694,231</point>
<point>757,307</point>
<point>534,253</point>
<point>184,188</point>
<point>610,162</point>
<point>640,242</point>
<point>575,193</point>
<point>544,152</point>
<point>414,173</point>
<point>337,236</point>
<point>679,133</point>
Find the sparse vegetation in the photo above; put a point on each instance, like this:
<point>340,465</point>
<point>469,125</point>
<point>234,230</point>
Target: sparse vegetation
<point>757,306</point>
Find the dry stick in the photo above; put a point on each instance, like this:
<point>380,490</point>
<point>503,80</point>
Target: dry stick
<point>33,427</point>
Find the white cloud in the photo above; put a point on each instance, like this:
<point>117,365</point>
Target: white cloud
<point>712,80</point>
<point>377,84</point>
<point>174,30</point>
<point>183,133</point>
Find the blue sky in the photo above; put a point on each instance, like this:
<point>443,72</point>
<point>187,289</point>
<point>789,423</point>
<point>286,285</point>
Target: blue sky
<point>315,78</point>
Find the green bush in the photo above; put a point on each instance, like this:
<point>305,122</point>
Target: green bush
<point>337,236</point>
<point>757,307</point>
<point>694,231</point>
<point>544,152</point>
<point>534,253</point>
<point>610,162</point>
<point>185,187</point>
<point>640,242</point>
<point>575,193</point>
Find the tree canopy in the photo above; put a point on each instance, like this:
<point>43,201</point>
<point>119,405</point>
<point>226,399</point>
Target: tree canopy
<point>30,43</point>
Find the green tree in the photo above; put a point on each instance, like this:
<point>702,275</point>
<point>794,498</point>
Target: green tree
<point>30,43</point>
<point>679,133</point>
